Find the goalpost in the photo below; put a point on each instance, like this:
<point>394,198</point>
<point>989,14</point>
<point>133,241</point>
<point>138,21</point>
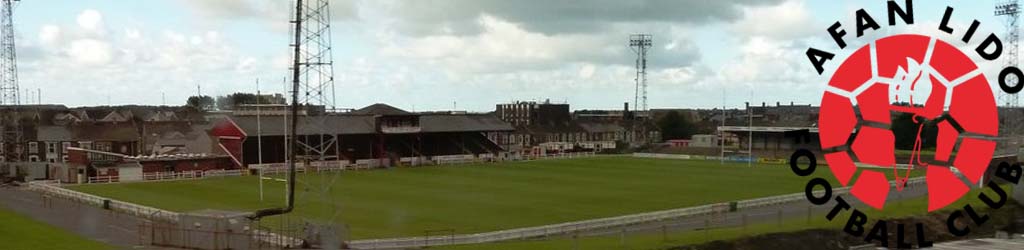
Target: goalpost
<point>261,178</point>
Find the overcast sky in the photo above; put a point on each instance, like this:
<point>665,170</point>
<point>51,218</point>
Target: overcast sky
<point>431,55</point>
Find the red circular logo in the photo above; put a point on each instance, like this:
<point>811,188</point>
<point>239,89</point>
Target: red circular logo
<point>917,75</point>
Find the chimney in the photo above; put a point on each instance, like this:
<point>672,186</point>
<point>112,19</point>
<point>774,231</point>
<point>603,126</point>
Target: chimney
<point>625,106</point>
<point>792,103</point>
<point>746,105</point>
<point>778,104</point>
<point>763,105</point>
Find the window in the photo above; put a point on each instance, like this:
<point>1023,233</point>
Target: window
<point>51,147</point>
<point>33,158</point>
<point>65,146</point>
<point>103,146</point>
<point>85,144</point>
<point>33,148</point>
<point>51,160</point>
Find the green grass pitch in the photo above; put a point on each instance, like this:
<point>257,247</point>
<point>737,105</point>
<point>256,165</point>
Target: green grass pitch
<point>480,197</point>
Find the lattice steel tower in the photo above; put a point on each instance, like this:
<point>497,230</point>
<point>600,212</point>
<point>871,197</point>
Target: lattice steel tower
<point>311,141</point>
<point>316,79</point>
<point>640,43</point>
<point>1012,12</point>
<point>313,70</point>
<point>9,86</point>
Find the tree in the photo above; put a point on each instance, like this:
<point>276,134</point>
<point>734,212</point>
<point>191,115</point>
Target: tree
<point>229,102</point>
<point>675,126</point>
<point>203,103</point>
<point>905,130</point>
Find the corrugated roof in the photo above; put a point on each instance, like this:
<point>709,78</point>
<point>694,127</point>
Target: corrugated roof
<point>566,127</point>
<point>380,109</point>
<point>157,130</point>
<point>121,131</point>
<point>437,123</point>
<point>364,124</point>
<point>335,124</point>
<point>601,127</point>
<point>53,133</point>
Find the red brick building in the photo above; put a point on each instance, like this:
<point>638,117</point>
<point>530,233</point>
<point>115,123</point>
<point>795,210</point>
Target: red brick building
<point>183,163</point>
<point>87,165</point>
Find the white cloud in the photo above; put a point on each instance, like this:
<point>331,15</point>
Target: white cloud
<point>684,75</point>
<point>763,61</point>
<point>504,46</point>
<point>90,52</point>
<point>132,34</point>
<point>788,20</point>
<point>272,14</point>
<point>587,71</point>
<point>49,35</point>
<point>90,20</point>
<point>420,18</point>
<point>80,59</point>
<point>245,64</point>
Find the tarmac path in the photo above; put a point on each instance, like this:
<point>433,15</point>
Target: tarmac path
<point>91,222</point>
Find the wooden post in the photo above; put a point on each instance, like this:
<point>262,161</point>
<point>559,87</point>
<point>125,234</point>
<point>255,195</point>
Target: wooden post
<point>780,217</point>
<point>622,238</point>
<point>707,230</point>
<point>809,212</point>
<point>576,241</point>
<point>664,233</point>
<point>744,222</point>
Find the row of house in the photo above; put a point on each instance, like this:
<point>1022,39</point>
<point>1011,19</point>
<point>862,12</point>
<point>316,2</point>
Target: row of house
<point>114,142</point>
<point>545,127</point>
<point>49,131</point>
<point>775,131</point>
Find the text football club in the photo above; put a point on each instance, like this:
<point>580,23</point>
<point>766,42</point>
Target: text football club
<point>933,81</point>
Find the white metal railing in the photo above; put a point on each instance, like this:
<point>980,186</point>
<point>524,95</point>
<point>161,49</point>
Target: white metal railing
<point>662,156</point>
<point>569,227</point>
<point>454,159</point>
<point>302,169</point>
<point>163,176</point>
<point>567,155</point>
<point>502,235</point>
<point>484,158</point>
<point>278,168</point>
<point>400,129</point>
<point>53,191</point>
<point>783,199</point>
